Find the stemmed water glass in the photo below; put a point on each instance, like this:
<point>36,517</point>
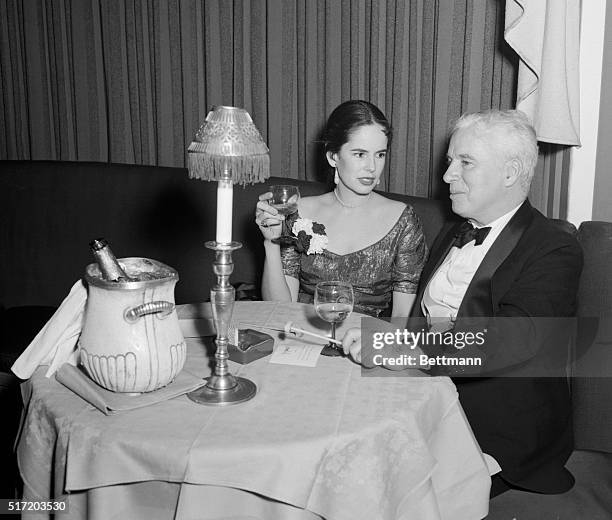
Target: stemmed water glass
<point>333,302</point>
<point>285,199</point>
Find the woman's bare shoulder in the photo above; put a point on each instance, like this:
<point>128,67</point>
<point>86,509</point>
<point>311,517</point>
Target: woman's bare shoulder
<point>309,206</point>
<point>389,206</point>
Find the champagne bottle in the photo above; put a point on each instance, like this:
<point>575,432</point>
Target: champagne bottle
<point>107,262</point>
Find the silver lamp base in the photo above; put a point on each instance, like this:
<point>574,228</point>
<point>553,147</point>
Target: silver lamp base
<point>242,391</point>
<point>222,388</point>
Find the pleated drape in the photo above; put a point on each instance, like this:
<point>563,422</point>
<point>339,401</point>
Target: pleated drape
<point>130,81</point>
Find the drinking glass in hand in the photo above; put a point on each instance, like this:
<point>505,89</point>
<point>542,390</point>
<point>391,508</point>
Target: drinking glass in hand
<point>285,199</point>
<point>333,302</point>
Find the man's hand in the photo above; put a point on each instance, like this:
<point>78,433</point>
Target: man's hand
<point>351,344</point>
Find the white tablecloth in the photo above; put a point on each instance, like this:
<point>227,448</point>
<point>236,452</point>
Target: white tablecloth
<point>314,442</point>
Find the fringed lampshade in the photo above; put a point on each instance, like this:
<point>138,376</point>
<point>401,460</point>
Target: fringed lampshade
<point>229,149</point>
<point>228,146</point>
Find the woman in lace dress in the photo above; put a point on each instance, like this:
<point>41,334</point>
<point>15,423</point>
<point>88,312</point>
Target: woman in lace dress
<point>375,243</point>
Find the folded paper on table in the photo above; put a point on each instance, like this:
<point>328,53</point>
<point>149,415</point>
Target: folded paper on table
<point>294,353</point>
<point>56,342</point>
<point>112,402</point>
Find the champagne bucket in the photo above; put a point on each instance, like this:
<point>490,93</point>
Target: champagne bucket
<point>131,340</point>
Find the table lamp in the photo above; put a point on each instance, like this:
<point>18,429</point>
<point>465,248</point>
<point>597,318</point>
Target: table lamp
<point>228,149</point>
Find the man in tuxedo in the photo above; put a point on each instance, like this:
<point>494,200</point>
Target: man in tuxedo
<point>505,271</point>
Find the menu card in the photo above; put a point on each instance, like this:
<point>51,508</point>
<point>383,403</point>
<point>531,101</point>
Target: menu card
<point>295,353</point>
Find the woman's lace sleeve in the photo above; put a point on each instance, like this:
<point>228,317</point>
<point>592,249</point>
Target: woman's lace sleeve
<point>410,255</point>
<point>290,259</point>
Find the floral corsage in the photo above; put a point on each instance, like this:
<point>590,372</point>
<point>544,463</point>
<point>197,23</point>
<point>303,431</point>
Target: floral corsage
<point>310,236</point>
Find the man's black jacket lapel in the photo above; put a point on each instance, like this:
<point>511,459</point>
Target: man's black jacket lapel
<point>477,300</point>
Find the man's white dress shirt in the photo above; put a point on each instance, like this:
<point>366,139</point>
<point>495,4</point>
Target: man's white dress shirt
<point>447,287</point>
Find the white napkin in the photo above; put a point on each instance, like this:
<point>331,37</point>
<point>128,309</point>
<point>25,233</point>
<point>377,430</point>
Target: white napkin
<point>55,344</point>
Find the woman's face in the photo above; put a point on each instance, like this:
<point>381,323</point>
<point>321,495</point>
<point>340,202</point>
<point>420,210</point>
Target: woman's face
<point>360,161</point>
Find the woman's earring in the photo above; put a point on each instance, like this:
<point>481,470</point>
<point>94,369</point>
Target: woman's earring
<point>336,176</point>
<point>377,182</point>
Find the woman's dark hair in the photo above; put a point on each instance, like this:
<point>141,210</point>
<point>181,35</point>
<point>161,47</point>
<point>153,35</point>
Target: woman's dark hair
<point>347,117</point>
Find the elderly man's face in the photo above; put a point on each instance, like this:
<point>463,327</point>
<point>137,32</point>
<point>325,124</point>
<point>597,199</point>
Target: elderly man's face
<point>476,175</point>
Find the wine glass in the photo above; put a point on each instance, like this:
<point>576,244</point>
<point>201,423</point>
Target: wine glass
<point>285,199</point>
<point>333,302</point>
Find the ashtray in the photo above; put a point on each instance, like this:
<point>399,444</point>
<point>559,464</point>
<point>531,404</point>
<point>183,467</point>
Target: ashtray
<point>252,345</point>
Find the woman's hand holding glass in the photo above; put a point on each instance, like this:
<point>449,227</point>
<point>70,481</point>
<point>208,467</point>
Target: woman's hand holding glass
<point>272,210</point>
<point>285,200</point>
<point>267,217</point>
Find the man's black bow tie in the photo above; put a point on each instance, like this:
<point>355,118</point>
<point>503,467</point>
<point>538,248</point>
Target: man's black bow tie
<point>467,233</point>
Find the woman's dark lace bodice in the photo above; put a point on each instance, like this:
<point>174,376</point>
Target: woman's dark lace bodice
<point>394,263</point>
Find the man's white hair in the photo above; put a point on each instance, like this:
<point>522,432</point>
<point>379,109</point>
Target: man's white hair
<point>519,138</point>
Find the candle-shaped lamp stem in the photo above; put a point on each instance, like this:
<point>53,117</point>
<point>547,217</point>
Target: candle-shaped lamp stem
<point>224,211</point>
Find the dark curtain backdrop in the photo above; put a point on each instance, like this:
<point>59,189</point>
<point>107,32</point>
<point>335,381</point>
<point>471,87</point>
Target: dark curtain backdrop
<point>130,80</point>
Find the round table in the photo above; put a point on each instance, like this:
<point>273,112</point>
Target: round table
<point>332,441</point>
